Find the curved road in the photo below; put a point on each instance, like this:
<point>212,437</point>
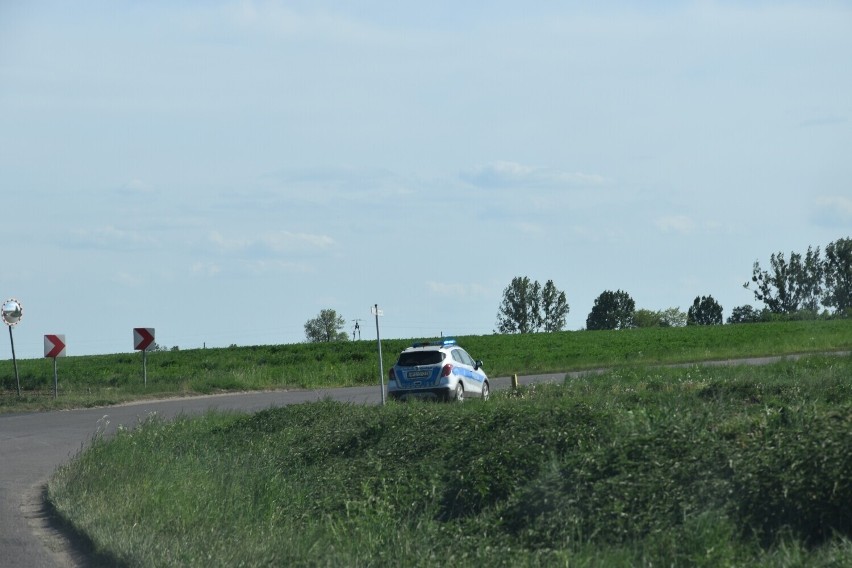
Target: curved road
<point>33,445</point>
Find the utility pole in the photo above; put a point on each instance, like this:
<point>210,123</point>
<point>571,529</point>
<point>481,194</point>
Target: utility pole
<point>357,328</point>
<point>377,312</point>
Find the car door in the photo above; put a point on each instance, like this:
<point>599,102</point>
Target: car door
<point>467,372</point>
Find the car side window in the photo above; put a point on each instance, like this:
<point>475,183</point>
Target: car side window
<point>465,358</point>
<point>457,356</point>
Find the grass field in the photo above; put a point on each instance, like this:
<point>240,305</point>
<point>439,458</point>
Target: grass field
<point>639,466</point>
<point>109,379</point>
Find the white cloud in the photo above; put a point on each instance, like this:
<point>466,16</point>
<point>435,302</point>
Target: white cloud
<point>834,211</point>
<point>271,243</point>
<point>279,19</point>
<point>456,289</point>
<point>514,175</point>
<point>276,266</point>
<point>112,238</point>
<point>532,229</point>
<point>676,224</point>
<point>206,268</point>
<point>135,186</point>
<point>127,279</point>
<point>326,184</point>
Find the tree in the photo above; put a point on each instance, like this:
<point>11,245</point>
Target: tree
<point>837,271</point>
<point>810,270</point>
<point>744,314</point>
<point>612,310</point>
<point>327,326</point>
<point>704,311</point>
<point>527,307</point>
<point>673,317</point>
<point>788,286</point>
<point>646,318</point>
<point>554,307</point>
<point>670,317</point>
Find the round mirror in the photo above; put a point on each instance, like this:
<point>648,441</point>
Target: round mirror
<point>12,311</point>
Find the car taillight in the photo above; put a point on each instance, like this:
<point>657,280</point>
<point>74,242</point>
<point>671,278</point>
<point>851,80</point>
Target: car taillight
<point>391,374</point>
<point>445,372</point>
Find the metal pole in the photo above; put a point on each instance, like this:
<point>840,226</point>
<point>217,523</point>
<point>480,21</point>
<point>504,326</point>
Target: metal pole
<point>145,367</point>
<point>381,364</point>
<point>55,380</point>
<point>14,361</point>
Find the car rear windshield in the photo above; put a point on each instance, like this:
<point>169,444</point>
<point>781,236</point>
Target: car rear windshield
<point>414,358</point>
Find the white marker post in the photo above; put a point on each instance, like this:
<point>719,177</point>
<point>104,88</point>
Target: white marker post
<point>377,312</point>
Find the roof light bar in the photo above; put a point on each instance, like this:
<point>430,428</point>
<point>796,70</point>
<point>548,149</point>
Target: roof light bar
<point>440,342</point>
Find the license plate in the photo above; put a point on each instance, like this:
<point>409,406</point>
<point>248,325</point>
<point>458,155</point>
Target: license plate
<point>418,374</point>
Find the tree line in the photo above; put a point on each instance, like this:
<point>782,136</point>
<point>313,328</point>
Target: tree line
<point>816,284</point>
<point>798,286</point>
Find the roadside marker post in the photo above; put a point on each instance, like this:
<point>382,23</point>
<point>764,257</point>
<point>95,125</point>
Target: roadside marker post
<point>54,346</point>
<point>143,337</point>
<point>377,312</point>
<point>12,312</point>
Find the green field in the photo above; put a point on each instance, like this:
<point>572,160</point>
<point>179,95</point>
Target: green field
<point>638,466</point>
<point>693,466</point>
<point>110,379</point>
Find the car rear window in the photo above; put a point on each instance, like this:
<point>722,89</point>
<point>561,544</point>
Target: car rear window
<point>414,358</point>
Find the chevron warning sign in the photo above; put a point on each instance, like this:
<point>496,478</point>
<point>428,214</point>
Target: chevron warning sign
<point>143,337</point>
<point>54,346</point>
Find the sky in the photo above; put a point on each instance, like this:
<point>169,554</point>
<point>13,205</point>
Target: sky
<point>222,171</point>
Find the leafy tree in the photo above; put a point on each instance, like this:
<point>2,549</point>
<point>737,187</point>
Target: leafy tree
<point>612,310</point>
<point>519,312</point>
<point>646,318</point>
<point>527,307</point>
<point>744,314</point>
<point>837,270</point>
<point>670,317</point>
<point>810,270</point>
<point>554,307</point>
<point>788,286</point>
<point>704,311</point>
<point>327,326</point>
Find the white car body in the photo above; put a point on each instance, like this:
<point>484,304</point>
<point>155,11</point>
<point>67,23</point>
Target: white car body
<point>437,370</point>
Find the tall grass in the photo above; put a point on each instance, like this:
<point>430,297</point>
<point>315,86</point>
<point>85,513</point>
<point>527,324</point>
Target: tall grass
<point>107,379</point>
<point>695,466</point>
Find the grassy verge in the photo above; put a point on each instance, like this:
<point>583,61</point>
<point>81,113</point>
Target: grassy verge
<point>109,379</point>
<point>698,466</point>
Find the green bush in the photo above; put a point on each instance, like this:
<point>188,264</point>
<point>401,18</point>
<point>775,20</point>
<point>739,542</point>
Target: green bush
<point>695,466</point>
<point>792,472</point>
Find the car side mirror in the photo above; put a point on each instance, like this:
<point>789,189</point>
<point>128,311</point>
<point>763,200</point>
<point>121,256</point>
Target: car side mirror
<point>477,364</point>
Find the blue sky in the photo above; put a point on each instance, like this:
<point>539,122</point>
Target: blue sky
<point>222,171</point>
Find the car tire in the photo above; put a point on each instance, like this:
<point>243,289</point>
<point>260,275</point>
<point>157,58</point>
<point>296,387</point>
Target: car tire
<point>459,394</point>
<point>486,391</point>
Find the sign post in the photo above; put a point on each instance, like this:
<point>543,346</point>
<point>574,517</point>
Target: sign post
<point>12,312</point>
<point>377,312</point>
<point>143,337</point>
<point>54,346</point>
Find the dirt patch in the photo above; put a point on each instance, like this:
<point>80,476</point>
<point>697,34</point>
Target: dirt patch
<point>67,547</point>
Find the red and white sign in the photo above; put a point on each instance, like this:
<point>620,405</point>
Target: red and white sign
<point>143,337</point>
<point>54,346</point>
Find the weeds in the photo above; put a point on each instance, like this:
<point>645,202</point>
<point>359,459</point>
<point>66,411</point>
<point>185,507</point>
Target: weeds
<point>695,466</point>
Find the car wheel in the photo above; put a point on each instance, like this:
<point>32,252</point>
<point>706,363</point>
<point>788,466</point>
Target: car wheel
<point>459,397</point>
<point>486,391</point>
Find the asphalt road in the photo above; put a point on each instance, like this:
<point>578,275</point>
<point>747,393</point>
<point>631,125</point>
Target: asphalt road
<point>33,445</point>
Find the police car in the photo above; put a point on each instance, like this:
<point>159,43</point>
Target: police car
<point>437,370</point>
